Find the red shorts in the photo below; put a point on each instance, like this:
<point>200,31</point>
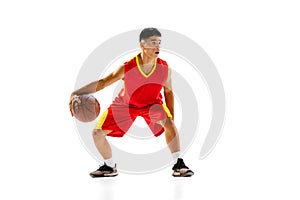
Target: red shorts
<point>119,118</point>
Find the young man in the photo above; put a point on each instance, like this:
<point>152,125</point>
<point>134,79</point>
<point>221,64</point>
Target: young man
<point>144,77</point>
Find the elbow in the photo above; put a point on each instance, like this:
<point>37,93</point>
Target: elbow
<point>100,85</point>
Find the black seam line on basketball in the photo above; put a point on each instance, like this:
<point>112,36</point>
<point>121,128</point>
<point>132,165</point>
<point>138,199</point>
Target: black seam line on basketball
<point>80,105</point>
<point>93,106</point>
<point>87,108</point>
<point>83,110</point>
<point>73,106</point>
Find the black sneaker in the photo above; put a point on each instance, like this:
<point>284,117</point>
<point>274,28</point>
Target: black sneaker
<point>181,170</point>
<point>104,171</point>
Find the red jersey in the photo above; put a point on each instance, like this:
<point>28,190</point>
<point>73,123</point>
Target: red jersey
<point>140,89</point>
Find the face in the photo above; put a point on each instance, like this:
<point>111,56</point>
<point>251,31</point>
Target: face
<point>151,46</point>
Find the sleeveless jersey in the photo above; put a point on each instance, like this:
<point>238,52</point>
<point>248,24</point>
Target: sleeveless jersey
<point>140,89</point>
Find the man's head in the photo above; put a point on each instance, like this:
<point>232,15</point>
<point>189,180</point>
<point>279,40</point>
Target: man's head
<point>150,41</point>
<point>148,32</point>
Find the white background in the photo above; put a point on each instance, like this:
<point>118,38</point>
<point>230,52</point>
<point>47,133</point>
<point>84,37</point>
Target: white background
<point>255,46</point>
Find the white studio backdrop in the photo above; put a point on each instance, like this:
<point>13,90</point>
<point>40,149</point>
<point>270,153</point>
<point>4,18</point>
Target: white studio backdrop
<point>253,44</point>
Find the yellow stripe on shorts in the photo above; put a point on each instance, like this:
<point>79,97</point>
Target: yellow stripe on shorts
<point>167,110</point>
<point>101,120</point>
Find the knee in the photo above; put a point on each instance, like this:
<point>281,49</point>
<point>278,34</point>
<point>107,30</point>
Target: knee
<point>98,134</point>
<point>169,125</point>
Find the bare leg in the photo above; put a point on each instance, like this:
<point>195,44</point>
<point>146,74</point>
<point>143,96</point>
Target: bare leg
<point>108,169</point>
<point>172,137</point>
<point>101,143</point>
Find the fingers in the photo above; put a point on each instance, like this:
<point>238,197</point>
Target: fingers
<point>71,107</point>
<point>71,111</point>
<point>74,98</point>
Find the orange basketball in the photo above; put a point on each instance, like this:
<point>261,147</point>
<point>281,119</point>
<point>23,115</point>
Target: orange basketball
<point>87,109</point>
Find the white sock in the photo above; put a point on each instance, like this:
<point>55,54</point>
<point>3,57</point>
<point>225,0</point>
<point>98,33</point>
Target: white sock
<point>110,162</point>
<point>175,156</point>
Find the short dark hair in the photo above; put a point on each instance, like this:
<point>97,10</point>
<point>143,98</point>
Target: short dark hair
<point>148,32</point>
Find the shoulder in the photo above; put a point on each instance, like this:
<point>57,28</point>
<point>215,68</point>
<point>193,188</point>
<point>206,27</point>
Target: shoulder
<point>130,61</point>
<point>163,67</point>
<point>162,62</point>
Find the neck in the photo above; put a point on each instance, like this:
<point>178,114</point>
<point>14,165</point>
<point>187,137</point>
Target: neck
<point>146,59</point>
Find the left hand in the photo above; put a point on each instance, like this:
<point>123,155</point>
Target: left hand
<point>73,98</point>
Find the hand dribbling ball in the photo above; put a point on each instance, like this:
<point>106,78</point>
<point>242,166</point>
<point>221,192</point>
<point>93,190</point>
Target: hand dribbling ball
<point>86,108</point>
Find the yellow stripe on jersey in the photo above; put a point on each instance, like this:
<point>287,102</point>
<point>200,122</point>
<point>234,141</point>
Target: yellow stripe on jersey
<point>101,120</point>
<point>140,69</point>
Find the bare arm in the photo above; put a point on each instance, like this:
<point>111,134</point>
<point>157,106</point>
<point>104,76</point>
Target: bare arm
<point>96,85</point>
<point>100,84</point>
<point>168,92</point>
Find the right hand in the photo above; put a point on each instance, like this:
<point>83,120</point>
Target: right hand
<point>73,98</point>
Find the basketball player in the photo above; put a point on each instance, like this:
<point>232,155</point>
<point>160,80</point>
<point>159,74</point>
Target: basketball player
<point>144,76</point>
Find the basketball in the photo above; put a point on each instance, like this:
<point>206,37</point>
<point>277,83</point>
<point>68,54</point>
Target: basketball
<point>86,109</point>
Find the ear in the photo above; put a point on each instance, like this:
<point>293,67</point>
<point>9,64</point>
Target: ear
<point>142,45</point>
